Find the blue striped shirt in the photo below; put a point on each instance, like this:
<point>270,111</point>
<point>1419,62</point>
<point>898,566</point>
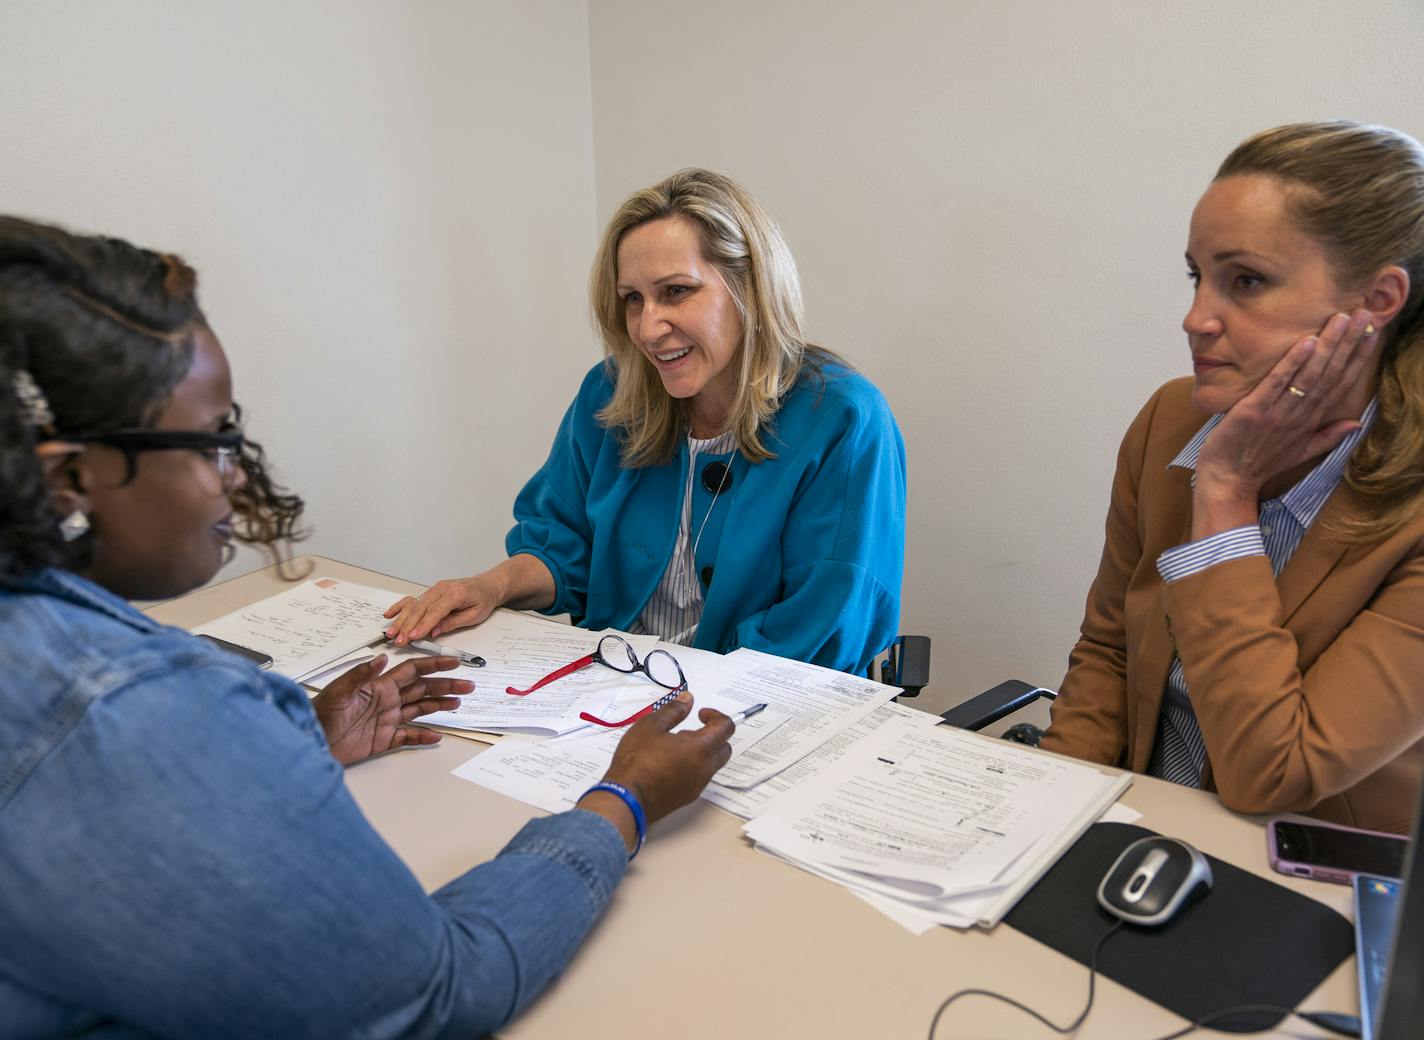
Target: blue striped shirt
<point>1179,753</point>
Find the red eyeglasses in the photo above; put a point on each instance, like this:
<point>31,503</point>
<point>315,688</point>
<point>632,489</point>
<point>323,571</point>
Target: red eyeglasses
<point>614,652</point>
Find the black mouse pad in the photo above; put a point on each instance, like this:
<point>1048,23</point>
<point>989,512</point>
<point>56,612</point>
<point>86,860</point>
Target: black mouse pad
<point>1249,941</point>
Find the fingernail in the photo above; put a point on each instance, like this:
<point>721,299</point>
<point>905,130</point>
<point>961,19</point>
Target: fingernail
<point>685,697</point>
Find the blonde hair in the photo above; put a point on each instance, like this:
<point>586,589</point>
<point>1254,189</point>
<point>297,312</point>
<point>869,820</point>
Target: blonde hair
<point>1364,204</point>
<point>745,246</point>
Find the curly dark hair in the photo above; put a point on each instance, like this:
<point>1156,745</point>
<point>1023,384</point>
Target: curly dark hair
<point>104,329</point>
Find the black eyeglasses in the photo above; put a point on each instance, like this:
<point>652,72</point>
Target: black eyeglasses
<point>222,448</point>
<point>614,652</point>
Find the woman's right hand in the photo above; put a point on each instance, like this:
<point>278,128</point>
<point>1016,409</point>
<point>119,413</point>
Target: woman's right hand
<point>664,770</point>
<point>522,582</point>
<point>1289,418</point>
<point>445,606</point>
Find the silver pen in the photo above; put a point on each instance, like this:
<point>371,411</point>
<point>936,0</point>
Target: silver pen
<point>425,646</point>
<point>747,713</point>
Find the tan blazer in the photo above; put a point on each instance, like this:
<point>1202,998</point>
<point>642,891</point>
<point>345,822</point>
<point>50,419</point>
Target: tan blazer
<point>1309,689</point>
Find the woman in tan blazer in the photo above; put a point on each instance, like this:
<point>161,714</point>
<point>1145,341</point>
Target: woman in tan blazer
<point>1256,626</point>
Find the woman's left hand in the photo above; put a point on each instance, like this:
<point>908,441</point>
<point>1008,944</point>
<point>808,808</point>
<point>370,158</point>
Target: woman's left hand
<point>364,712</point>
<point>1283,422</point>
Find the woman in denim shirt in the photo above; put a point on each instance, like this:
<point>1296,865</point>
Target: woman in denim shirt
<point>180,854</point>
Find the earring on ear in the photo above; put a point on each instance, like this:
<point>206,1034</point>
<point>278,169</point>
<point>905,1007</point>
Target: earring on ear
<point>74,526</point>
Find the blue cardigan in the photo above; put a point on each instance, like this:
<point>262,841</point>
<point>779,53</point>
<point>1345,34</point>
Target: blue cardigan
<point>811,565</point>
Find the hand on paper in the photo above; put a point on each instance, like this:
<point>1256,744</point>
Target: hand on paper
<point>522,582</point>
<point>665,770</point>
<point>1291,417</point>
<point>446,605</point>
<point>364,712</point>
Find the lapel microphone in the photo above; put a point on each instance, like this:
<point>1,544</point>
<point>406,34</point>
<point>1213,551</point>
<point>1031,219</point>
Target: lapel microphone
<point>716,477</point>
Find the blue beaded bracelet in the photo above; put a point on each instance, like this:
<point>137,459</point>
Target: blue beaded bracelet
<point>640,818</point>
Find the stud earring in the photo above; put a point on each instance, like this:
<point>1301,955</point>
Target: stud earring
<point>74,526</point>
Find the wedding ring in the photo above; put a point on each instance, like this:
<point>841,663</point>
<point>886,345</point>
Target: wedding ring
<point>1295,391</point>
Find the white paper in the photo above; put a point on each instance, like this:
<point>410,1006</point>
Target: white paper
<point>554,774</point>
<point>519,651</point>
<point>748,802</point>
<point>964,911</point>
<point>305,627</point>
<point>705,671</point>
<point>820,703</point>
<point>925,814</point>
<point>1119,813</point>
<point>913,917</point>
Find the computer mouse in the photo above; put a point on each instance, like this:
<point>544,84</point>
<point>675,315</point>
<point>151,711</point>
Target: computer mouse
<point>1154,879</point>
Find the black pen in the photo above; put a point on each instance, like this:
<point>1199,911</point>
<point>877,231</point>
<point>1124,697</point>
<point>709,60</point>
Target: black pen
<point>747,713</point>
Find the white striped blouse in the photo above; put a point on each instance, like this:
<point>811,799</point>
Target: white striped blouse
<point>675,607</point>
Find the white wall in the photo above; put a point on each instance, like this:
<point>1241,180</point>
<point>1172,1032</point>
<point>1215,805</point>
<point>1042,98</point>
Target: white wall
<point>988,202</point>
<point>391,209</point>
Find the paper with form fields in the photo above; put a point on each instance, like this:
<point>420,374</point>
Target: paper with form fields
<point>820,703</point>
<point>951,823</point>
<point>307,626</point>
<point>748,802</point>
<point>554,774</point>
<point>970,910</point>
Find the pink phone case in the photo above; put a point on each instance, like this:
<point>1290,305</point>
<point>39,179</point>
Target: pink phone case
<point>1294,868</point>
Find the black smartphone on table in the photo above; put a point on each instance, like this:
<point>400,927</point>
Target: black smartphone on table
<point>257,657</point>
<point>1309,848</point>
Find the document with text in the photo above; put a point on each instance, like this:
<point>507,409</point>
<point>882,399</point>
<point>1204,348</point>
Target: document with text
<point>307,626</point>
<point>933,816</point>
<point>747,802</point>
<point>554,774</point>
<point>819,703</point>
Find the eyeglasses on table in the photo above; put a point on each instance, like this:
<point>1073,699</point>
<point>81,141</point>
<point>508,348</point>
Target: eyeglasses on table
<point>616,653</point>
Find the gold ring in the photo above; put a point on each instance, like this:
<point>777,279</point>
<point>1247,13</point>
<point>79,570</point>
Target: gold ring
<point>1295,391</point>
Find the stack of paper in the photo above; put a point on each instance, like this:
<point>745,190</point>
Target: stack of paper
<point>748,802</point>
<point>935,824</point>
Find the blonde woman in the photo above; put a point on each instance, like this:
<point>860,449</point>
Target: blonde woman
<point>718,481</point>
<point>1257,623</point>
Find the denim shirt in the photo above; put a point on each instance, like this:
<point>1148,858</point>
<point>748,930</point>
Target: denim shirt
<point>180,855</point>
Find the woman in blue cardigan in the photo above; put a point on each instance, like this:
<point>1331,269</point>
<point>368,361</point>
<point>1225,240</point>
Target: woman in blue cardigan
<point>717,481</point>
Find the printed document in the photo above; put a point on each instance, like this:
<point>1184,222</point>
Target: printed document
<point>937,818</point>
<point>749,801</point>
<point>819,703</point>
<point>554,774</point>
